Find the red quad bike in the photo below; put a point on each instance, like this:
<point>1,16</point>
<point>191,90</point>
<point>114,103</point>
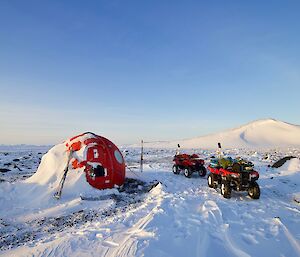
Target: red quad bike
<point>235,178</point>
<point>189,164</point>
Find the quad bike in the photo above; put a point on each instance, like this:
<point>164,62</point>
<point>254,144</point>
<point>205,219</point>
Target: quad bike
<point>235,175</point>
<point>188,164</point>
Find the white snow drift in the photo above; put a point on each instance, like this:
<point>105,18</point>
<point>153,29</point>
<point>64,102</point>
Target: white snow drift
<point>50,172</point>
<point>37,192</point>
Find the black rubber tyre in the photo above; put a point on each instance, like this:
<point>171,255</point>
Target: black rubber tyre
<point>225,190</point>
<point>202,171</point>
<point>211,181</point>
<point>175,169</point>
<point>254,191</point>
<point>187,172</point>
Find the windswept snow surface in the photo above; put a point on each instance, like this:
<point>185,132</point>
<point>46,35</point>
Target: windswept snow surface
<point>267,133</point>
<point>179,217</point>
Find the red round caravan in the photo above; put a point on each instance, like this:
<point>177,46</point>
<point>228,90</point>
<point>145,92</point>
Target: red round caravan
<point>102,161</point>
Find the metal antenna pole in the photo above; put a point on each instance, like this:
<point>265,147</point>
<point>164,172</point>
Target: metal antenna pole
<point>219,150</point>
<point>178,149</point>
<point>142,155</point>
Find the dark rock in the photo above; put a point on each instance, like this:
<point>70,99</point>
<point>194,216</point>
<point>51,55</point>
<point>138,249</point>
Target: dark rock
<point>7,164</point>
<point>4,170</point>
<point>16,160</point>
<point>282,161</point>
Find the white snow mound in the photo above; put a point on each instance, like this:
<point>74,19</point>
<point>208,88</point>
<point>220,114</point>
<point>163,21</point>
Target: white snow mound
<point>291,170</point>
<point>50,172</point>
<point>37,192</point>
<point>290,167</point>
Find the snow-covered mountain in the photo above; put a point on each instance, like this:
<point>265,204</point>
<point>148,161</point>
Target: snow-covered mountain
<point>257,134</point>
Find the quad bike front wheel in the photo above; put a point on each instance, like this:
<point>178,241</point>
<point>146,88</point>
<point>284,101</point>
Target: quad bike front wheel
<point>202,171</point>
<point>254,191</point>
<point>225,190</point>
<point>211,181</point>
<point>187,172</point>
<point>176,169</point>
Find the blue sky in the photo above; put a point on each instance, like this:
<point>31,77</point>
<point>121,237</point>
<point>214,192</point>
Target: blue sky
<point>157,70</point>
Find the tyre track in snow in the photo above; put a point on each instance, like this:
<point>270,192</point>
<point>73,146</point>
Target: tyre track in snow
<point>197,222</point>
<point>284,209</point>
<point>127,241</point>
<point>113,236</point>
<point>294,242</point>
<point>206,224</point>
<point>216,230</point>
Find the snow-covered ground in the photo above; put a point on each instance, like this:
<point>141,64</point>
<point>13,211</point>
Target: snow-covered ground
<point>179,217</point>
<point>19,162</point>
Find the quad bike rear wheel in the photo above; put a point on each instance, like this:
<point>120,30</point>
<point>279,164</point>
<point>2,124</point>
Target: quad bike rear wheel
<point>176,169</point>
<point>254,191</point>
<point>225,190</point>
<point>187,172</point>
<point>202,171</point>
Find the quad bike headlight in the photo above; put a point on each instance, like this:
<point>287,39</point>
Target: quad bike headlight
<point>253,176</point>
<point>235,175</point>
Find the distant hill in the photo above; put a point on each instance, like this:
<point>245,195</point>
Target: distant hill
<point>266,133</point>
<point>23,147</point>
